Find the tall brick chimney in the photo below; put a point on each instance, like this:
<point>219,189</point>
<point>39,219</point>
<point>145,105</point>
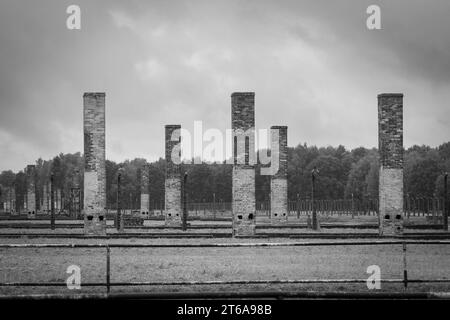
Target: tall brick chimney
<point>390,148</point>
<point>173,208</point>
<point>243,190</point>
<point>94,164</point>
<point>31,191</point>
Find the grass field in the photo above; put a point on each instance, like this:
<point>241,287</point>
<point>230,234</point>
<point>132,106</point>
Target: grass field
<point>220,264</point>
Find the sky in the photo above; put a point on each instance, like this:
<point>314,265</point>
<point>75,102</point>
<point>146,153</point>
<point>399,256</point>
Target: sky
<point>313,65</point>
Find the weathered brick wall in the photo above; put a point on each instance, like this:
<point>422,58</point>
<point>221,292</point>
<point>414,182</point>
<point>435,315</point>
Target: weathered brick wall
<point>278,181</point>
<point>243,204</point>
<point>61,200</point>
<point>5,198</point>
<point>45,202</point>
<point>243,189</point>
<point>390,146</point>
<point>75,194</point>
<point>48,200</point>
<point>13,201</point>
<point>145,197</point>
<point>94,164</point>
<point>173,206</point>
<point>57,200</point>
<point>31,191</point>
<point>9,200</point>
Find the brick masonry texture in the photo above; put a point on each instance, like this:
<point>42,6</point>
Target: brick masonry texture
<point>278,140</point>
<point>9,198</point>
<point>391,201</point>
<point>45,198</point>
<point>13,200</point>
<point>278,182</point>
<point>145,198</point>
<point>243,127</point>
<point>243,205</point>
<point>278,200</point>
<point>173,210</point>
<point>75,193</point>
<point>31,191</point>
<point>173,206</point>
<point>390,146</point>
<point>94,166</point>
<point>58,200</point>
<point>6,199</point>
<point>243,189</point>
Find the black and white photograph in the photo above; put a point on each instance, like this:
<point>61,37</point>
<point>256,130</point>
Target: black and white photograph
<point>205,151</point>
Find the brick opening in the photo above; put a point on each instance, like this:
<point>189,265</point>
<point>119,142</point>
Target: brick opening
<point>250,216</point>
<point>275,214</point>
<point>239,217</point>
<point>398,217</point>
<point>387,216</point>
<point>90,218</point>
<point>100,218</point>
<point>169,214</point>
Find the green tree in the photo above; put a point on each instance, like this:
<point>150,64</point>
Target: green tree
<point>357,179</point>
<point>422,168</point>
<point>330,181</point>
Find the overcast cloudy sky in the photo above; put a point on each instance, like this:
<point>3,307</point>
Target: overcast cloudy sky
<point>314,66</point>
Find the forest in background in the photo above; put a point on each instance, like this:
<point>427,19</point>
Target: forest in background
<point>342,174</point>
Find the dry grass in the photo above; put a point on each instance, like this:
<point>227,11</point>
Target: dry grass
<point>212,264</point>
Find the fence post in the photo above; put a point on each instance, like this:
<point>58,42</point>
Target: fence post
<point>315,224</point>
<point>108,268</point>
<point>432,207</point>
<point>118,220</point>
<point>214,206</point>
<point>416,208</point>
<point>52,205</point>
<point>353,207</point>
<point>422,206</point>
<point>184,225</point>
<point>405,271</point>
<point>408,206</point>
<point>446,203</point>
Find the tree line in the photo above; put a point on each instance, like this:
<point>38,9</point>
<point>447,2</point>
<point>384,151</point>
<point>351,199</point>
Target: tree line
<point>343,174</point>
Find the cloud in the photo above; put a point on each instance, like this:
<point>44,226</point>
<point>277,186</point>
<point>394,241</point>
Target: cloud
<point>313,65</point>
